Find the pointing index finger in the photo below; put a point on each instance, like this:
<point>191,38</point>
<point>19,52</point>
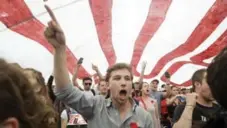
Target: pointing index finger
<point>50,12</point>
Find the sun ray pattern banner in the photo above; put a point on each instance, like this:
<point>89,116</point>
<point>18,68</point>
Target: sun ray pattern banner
<point>178,36</point>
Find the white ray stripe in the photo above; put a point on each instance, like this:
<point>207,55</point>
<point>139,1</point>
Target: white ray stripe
<point>36,6</point>
<point>2,26</point>
<point>185,73</point>
<point>25,52</point>
<point>126,24</point>
<point>78,25</point>
<point>208,60</point>
<point>209,41</point>
<point>181,20</point>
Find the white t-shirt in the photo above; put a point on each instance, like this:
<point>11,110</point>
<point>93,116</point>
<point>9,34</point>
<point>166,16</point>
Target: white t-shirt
<point>64,115</point>
<point>88,93</point>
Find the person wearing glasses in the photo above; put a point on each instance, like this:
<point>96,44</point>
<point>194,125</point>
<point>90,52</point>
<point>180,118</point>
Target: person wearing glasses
<point>87,82</point>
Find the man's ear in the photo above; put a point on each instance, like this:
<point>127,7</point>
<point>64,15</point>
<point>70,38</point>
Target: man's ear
<point>11,123</point>
<point>197,85</point>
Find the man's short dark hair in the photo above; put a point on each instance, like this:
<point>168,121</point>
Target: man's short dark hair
<point>118,66</point>
<point>155,80</point>
<point>86,78</point>
<point>198,77</point>
<point>217,77</point>
<point>101,80</point>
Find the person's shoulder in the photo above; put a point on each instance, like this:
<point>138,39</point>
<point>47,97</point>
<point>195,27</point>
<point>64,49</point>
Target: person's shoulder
<point>141,112</point>
<point>180,108</point>
<point>143,116</point>
<point>178,112</point>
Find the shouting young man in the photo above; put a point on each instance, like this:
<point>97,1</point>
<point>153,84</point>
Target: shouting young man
<point>119,111</point>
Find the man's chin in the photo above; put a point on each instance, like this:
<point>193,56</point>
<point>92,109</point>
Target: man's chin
<point>122,100</point>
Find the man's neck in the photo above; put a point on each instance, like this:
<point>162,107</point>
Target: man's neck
<point>123,107</point>
<point>103,94</point>
<point>203,102</point>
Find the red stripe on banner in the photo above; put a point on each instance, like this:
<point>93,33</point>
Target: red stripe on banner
<point>102,14</point>
<point>173,69</point>
<point>17,12</point>
<point>198,59</point>
<point>213,50</point>
<point>14,12</point>
<point>208,24</point>
<point>155,17</point>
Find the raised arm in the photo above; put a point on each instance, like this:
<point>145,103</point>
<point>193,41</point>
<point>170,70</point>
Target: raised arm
<point>170,101</point>
<point>96,69</point>
<point>185,120</point>
<point>70,95</point>
<point>144,64</point>
<point>74,79</point>
<point>55,36</point>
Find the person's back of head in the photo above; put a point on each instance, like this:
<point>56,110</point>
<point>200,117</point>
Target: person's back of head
<point>216,79</point>
<point>13,113</point>
<point>217,76</point>
<point>20,103</point>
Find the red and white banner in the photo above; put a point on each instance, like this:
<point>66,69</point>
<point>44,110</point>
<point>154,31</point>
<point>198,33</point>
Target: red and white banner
<point>178,36</point>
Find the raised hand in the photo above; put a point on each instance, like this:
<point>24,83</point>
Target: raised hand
<point>94,67</point>
<point>144,64</point>
<point>191,99</point>
<point>54,33</point>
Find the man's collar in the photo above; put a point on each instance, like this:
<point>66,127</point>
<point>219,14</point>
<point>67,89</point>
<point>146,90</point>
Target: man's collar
<point>131,100</point>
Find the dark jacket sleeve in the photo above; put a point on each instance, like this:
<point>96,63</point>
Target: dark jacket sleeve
<point>177,113</point>
<point>50,89</point>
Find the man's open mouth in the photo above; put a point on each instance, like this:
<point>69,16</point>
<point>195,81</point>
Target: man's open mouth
<point>123,92</point>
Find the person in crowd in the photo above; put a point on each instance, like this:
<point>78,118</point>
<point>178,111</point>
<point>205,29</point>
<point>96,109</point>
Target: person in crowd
<point>117,111</point>
<point>138,84</point>
<point>159,95</point>
<point>149,104</point>
<point>174,100</point>
<point>165,120</point>
<point>87,82</point>
<point>20,106</point>
<point>184,91</point>
<point>216,79</point>
<point>103,88</point>
<point>199,106</point>
<point>137,87</point>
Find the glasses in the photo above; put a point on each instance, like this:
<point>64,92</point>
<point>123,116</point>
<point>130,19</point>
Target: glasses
<point>87,83</point>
